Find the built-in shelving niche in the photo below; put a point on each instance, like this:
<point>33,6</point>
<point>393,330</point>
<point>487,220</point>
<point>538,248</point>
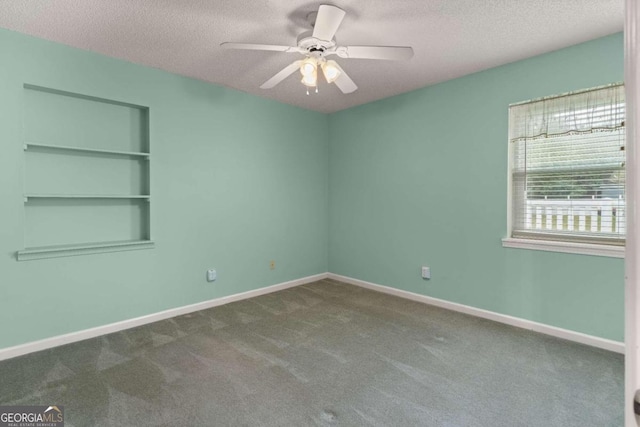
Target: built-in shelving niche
<point>87,175</point>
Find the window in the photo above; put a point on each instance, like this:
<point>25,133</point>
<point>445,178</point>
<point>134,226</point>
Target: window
<point>567,173</point>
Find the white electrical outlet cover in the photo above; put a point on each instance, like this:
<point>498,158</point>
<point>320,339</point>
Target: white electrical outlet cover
<point>211,275</point>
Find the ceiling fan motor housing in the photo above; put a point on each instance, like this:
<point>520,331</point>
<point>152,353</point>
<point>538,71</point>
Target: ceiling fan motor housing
<point>313,45</point>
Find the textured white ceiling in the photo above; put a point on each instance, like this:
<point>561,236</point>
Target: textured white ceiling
<point>450,38</point>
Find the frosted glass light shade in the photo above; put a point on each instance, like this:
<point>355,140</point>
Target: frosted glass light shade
<point>309,71</point>
<point>310,80</point>
<point>331,71</point>
<point>308,67</point>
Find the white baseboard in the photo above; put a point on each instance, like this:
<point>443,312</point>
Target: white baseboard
<point>30,347</point>
<point>566,334</point>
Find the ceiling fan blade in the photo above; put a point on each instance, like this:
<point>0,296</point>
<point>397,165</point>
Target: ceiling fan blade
<point>283,74</point>
<point>393,53</point>
<point>328,20</point>
<point>254,46</point>
<point>344,82</point>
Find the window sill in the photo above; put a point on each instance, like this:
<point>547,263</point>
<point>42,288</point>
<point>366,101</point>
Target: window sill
<point>565,247</point>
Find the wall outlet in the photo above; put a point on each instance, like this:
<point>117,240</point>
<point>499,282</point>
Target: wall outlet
<point>426,273</point>
<point>211,275</point>
<point>272,265</point>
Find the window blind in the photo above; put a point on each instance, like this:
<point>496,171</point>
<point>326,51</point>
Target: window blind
<point>568,167</point>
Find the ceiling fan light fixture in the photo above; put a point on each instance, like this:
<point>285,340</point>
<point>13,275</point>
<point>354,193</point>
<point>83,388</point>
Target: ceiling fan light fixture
<point>314,45</point>
<point>331,70</point>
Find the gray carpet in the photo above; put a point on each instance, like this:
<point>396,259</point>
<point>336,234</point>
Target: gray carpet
<point>322,354</point>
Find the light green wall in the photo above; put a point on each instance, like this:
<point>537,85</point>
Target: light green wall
<point>415,179</point>
<point>421,179</point>
<point>233,187</point>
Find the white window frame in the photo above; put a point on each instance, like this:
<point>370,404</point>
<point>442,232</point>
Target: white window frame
<point>550,245</point>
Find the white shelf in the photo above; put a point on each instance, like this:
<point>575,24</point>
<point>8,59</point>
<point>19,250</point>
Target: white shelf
<point>82,249</point>
<point>86,150</point>
<point>84,196</point>
<point>80,174</point>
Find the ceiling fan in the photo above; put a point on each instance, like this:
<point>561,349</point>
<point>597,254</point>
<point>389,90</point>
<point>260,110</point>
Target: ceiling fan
<point>319,43</point>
